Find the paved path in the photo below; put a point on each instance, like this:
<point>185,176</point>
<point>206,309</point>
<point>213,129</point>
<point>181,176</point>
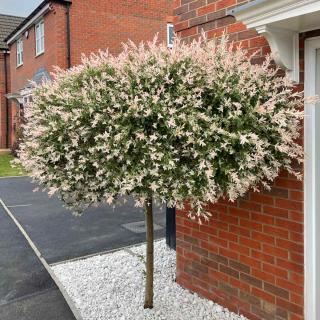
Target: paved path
<point>27,292</point>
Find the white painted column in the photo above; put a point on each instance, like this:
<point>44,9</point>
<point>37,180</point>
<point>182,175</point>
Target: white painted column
<point>312,182</point>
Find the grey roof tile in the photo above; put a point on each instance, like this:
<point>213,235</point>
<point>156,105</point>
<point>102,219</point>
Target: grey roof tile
<point>7,25</point>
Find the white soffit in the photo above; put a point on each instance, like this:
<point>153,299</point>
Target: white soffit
<point>281,21</point>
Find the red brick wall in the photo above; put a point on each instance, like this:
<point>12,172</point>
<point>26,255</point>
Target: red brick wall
<point>55,54</point>
<point>95,24</point>
<point>100,24</point>
<point>55,49</point>
<point>2,103</point>
<point>249,257</point>
<point>3,107</point>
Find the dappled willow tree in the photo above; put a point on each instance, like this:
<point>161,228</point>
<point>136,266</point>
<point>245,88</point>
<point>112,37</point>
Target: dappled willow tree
<point>190,125</point>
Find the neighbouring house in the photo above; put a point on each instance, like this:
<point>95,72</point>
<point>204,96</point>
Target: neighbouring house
<point>7,25</point>
<point>58,32</point>
<point>260,256</point>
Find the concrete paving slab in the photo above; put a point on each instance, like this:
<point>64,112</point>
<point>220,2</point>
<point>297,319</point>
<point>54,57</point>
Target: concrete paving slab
<point>24,282</point>
<point>59,235</point>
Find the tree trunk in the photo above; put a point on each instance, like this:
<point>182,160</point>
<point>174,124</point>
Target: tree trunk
<point>148,302</point>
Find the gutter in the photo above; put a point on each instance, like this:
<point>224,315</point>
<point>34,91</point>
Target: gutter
<point>6,88</point>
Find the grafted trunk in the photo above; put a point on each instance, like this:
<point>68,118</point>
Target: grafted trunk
<point>148,302</point>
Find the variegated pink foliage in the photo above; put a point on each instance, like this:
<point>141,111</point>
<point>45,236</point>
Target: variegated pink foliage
<point>194,123</point>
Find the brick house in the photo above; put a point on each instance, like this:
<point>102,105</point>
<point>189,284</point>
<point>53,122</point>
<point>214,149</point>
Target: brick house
<point>7,25</point>
<point>58,32</point>
<point>260,256</point>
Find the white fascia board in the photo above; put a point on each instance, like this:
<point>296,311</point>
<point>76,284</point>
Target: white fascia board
<point>32,21</point>
<point>274,10</point>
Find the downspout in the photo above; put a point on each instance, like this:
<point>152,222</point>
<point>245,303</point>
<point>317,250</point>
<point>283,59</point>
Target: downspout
<point>68,36</point>
<point>6,87</point>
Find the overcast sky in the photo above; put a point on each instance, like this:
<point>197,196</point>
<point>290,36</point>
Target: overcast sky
<point>18,7</point>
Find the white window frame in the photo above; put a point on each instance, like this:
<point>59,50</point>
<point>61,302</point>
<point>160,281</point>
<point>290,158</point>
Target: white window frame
<point>39,37</point>
<point>169,25</point>
<point>19,52</point>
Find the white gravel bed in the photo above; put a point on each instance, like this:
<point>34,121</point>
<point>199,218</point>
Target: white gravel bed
<point>111,287</point>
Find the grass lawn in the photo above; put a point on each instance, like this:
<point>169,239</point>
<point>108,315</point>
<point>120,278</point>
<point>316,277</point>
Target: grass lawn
<point>6,169</point>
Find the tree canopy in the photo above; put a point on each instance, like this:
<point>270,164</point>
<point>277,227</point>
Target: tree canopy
<point>194,123</point>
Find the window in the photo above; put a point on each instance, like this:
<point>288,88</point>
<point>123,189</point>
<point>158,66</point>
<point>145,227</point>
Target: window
<point>170,35</point>
<point>19,52</point>
<point>26,100</point>
<point>39,37</point>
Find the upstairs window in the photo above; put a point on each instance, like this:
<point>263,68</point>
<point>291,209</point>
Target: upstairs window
<point>170,35</point>
<point>40,37</point>
<point>19,52</point>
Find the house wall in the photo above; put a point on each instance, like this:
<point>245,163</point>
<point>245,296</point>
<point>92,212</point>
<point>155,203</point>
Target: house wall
<point>3,100</point>
<point>3,126</point>
<point>100,24</point>
<point>95,25</point>
<point>249,256</point>
<point>55,49</point>
<point>54,55</point>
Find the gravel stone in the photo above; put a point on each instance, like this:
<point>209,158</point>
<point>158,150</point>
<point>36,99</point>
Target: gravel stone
<point>111,286</point>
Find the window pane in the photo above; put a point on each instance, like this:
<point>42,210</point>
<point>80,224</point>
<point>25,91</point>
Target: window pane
<point>38,46</point>
<point>37,39</point>
<point>19,52</point>
<point>42,44</point>
<point>40,37</point>
<point>42,34</point>
<point>42,29</point>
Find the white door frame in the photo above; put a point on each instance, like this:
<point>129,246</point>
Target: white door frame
<point>312,184</point>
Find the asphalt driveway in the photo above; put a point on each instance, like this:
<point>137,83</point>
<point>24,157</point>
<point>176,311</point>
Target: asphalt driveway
<point>27,291</point>
<point>61,236</point>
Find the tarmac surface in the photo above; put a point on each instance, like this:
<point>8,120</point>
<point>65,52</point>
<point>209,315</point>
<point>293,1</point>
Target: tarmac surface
<point>27,291</point>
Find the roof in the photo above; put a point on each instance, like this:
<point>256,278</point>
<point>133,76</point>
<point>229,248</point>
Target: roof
<point>7,25</point>
<point>32,14</point>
